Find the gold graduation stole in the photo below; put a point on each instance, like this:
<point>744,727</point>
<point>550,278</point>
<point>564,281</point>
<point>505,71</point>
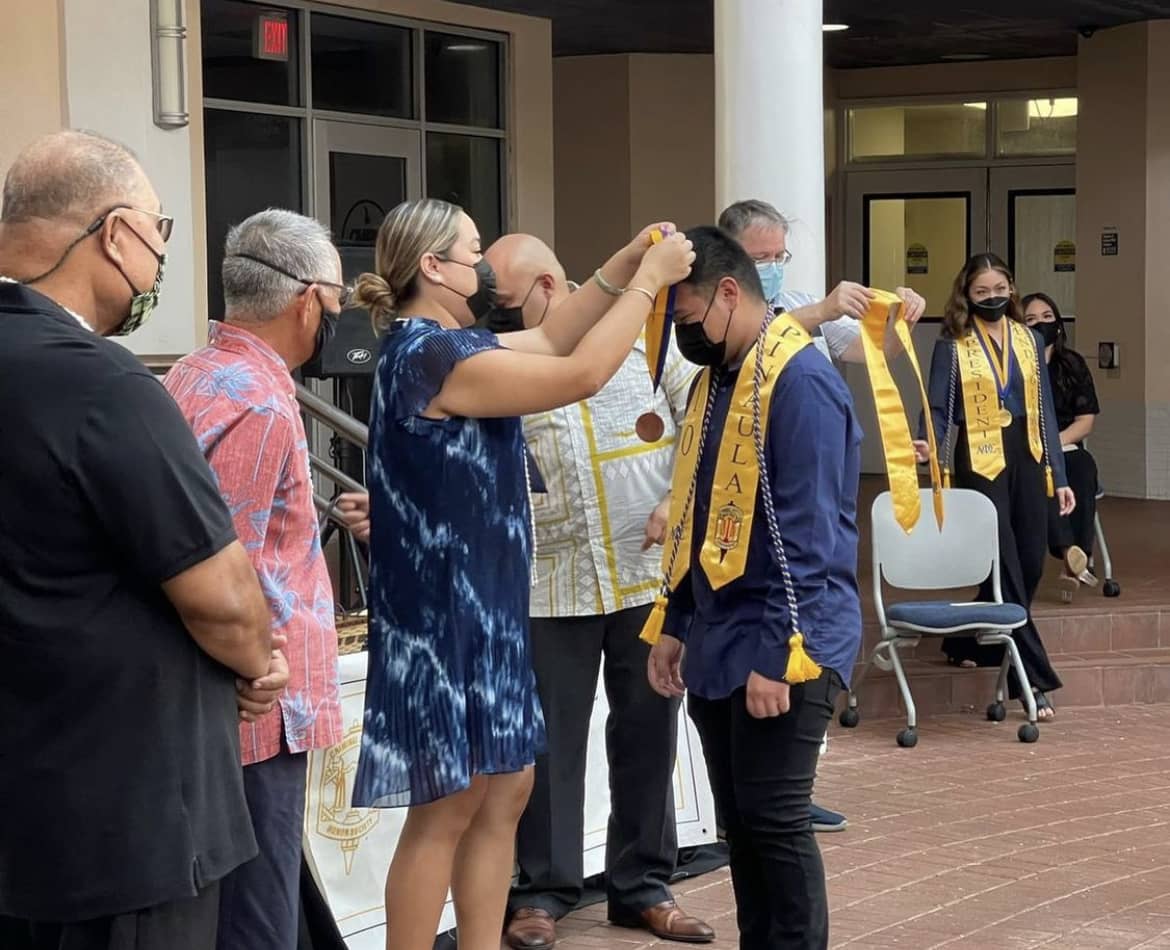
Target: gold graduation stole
<point>727,535</point>
<point>897,442</point>
<point>986,417</point>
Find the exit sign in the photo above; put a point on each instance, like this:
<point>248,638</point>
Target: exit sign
<point>270,37</point>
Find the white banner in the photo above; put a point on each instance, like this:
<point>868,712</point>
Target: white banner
<point>350,848</point>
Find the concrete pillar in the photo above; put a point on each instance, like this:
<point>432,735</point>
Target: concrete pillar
<point>769,120</point>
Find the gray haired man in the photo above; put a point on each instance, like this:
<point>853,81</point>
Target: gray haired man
<point>283,293</point>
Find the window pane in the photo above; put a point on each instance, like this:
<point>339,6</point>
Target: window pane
<point>920,242</point>
<point>361,66</point>
<point>902,131</point>
<point>1043,231</point>
<point>253,162</point>
<point>463,80</point>
<point>465,170</point>
<point>1036,127</point>
<point>242,52</point>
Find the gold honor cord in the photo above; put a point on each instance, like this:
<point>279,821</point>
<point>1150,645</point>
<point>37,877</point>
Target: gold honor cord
<point>897,443</point>
<point>981,400</point>
<point>739,467</point>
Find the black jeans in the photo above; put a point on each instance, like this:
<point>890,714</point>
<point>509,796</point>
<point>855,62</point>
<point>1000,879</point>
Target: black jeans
<point>761,773</point>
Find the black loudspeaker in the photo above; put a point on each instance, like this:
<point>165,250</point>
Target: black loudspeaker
<point>353,351</point>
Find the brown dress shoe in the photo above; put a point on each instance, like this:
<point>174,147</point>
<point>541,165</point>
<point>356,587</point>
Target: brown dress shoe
<point>531,929</point>
<point>667,921</point>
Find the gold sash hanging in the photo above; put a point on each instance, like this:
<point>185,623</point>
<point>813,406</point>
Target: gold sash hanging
<point>981,400</point>
<point>897,443</point>
<point>727,537</point>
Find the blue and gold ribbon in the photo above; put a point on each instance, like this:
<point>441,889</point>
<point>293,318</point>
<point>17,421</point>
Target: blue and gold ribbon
<point>658,325</point>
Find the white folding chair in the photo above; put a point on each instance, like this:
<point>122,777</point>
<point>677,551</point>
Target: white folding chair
<point>1110,588</point>
<point>964,554</point>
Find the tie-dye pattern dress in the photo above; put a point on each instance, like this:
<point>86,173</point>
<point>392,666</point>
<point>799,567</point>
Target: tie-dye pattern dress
<point>450,691</point>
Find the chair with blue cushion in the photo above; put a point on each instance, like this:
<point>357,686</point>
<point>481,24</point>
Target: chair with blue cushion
<point>1110,588</point>
<point>964,554</point>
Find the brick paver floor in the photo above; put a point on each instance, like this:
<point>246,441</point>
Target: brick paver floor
<point>973,841</point>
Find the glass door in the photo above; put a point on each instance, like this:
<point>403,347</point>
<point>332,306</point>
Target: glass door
<point>913,229</point>
<point>1034,223</point>
<point>360,172</point>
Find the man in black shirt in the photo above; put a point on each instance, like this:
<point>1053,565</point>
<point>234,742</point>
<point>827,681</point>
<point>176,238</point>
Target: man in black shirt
<point>127,606</point>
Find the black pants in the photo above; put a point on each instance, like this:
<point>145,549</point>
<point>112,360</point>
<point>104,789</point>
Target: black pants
<point>1079,528</point>
<point>179,925</point>
<point>761,773</point>
<point>640,737</point>
<point>1021,502</point>
<point>260,901</point>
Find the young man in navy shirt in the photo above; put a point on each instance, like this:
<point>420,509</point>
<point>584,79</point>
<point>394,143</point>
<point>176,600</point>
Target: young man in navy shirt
<point>761,564</point>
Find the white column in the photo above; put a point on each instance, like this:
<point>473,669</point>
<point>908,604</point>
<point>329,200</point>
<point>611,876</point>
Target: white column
<point>769,120</point>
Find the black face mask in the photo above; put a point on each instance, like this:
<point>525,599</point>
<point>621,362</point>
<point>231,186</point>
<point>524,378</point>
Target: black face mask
<point>510,319</point>
<point>483,301</point>
<point>1049,332</point>
<point>694,344</point>
<point>325,332</point>
<point>992,309</point>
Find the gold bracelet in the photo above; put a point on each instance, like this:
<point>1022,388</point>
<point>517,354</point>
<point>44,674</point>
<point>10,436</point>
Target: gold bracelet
<point>641,290</point>
<point>605,285</point>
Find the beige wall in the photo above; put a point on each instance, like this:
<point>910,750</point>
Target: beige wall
<point>634,145</point>
<point>31,74</point>
<point>591,129</point>
<point>1157,328</point>
<point>1111,192</point>
<point>672,161</point>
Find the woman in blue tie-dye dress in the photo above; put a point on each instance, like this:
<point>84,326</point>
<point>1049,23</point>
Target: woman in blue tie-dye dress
<point>452,722</point>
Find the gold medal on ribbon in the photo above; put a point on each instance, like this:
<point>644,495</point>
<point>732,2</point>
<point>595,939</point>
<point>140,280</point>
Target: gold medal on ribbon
<point>1004,418</point>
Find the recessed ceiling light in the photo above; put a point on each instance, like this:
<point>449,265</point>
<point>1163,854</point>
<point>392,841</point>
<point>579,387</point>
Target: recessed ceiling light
<point>834,27</point>
<point>466,47</point>
<point>963,57</point>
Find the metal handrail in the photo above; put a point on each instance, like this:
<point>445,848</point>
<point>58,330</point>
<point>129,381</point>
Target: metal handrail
<point>344,425</point>
<point>336,475</point>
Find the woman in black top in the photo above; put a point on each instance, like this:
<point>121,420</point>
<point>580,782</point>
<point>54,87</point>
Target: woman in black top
<point>1076,410</point>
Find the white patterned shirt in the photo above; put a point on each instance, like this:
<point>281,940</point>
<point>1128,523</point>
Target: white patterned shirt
<point>603,483</point>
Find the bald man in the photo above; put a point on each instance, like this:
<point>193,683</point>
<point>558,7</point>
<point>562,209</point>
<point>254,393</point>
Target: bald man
<point>598,571</point>
<point>128,609</point>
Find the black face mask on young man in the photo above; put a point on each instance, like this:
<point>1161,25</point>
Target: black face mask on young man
<point>694,344</point>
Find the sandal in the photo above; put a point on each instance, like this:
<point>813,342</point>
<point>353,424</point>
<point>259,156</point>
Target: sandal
<point>1045,711</point>
<point>961,664</point>
<point>1076,563</point>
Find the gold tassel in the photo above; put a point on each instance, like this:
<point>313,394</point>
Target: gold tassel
<point>1048,480</point>
<point>652,631</point>
<point>946,478</point>
<point>801,667</point>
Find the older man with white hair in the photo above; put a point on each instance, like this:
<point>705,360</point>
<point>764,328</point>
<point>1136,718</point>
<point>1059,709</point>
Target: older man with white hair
<point>283,293</point>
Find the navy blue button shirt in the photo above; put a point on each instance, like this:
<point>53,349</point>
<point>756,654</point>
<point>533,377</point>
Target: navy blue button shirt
<point>813,452</point>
